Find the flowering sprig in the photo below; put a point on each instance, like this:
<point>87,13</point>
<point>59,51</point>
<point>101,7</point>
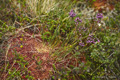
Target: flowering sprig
<point>91,39</point>
<point>72,13</point>
<point>81,44</point>
<point>99,16</point>
<point>77,20</point>
<point>98,40</point>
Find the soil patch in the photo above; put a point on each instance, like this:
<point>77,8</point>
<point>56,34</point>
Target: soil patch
<point>35,51</point>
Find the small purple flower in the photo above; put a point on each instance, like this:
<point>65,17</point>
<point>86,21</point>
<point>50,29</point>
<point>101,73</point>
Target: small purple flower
<point>99,16</point>
<point>98,40</point>
<point>81,44</point>
<point>71,13</point>
<point>90,39</point>
<point>91,35</point>
<point>78,20</point>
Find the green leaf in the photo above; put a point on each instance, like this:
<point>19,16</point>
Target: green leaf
<point>54,67</point>
<point>77,53</point>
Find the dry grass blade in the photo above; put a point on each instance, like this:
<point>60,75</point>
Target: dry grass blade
<point>6,55</point>
<point>41,6</point>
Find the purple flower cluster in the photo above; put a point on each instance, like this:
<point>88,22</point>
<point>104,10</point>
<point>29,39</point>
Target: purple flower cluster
<point>72,13</point>
<point>98,40</point>
<point>90,39</point>
<point>81,44</point>
<point>77,20</point>
<point>99,16</point>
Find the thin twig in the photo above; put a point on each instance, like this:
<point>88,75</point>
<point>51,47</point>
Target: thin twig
<point>31,64</point>
<point>6,55</point>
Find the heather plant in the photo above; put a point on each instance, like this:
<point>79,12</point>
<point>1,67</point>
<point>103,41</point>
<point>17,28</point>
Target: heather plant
<point>99,46</point>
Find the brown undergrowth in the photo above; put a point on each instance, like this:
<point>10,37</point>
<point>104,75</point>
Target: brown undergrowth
<point>34,49</point>
<point>103,5</point>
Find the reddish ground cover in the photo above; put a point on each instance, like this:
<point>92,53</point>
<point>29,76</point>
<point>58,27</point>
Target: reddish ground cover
<point>35,51</point>
<point>102,5</point>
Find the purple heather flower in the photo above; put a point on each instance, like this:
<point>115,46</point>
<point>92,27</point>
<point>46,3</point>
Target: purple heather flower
<point>99,15</point>
<point>81,44</point>
<point>78,20</point>
<point>71,13</point>
<point>91,35</point>
<point>90,39</point>
<point>98,40</point>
